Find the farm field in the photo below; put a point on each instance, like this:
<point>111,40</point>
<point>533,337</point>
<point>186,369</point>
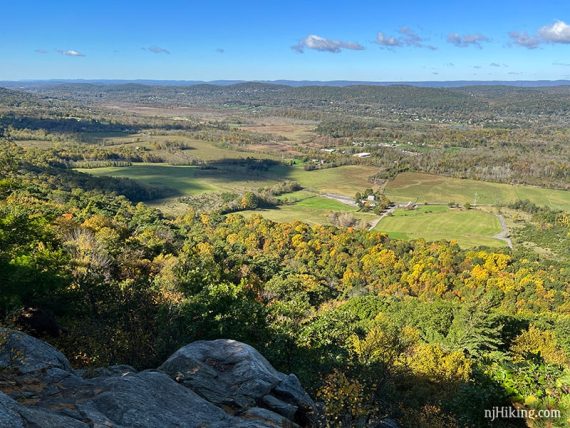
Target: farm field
<point>469,228</point>
<point>290,213</point>
<point>310,208</point>
<point>306,205</point>
<point>304,198</point>
<point>199,150</point>
<point>188,180</point>
<point>294,132</point>
<point>196,149</point>
<point>344,180</point>
<point>439,189</point>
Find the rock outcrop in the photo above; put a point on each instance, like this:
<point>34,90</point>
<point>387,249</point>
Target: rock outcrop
<point>235,376</point>
<point>220,383</point>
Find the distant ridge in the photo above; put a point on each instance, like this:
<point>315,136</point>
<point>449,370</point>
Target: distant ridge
<point>428,84</point>
<point>292,83</point>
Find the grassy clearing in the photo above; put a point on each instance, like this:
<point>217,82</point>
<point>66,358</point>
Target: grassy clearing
<point>432,222</point>
<point>304,205</point>
<point>308,199</point>
<point>438,189</point>
<point>197,149</point>
<point>312,210</point>
<point>207,151</point>
<point>309,207</point>
<point>469,228</point>
<point>290,213</point>
<point>189,180</point>
<point>294,130</point>
<point>344,180</point>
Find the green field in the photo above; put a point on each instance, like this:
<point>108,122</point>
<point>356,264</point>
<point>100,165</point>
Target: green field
<point>469,228</point>
<point>310,208</point>
<point>188,180</point>
<point>304,205</point>
<point>194,148</point>
<point>197,149</point>
<point>344,180</point>
<point>438,189</point>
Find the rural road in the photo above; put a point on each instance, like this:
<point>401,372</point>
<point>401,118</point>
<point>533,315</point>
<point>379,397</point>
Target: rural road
<point>503,235</point>
<point>384,214</point>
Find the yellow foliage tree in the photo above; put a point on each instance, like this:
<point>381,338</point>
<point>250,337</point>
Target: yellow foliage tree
<point>344,399</point>
<point>539,342</point>
<point>432,362</point>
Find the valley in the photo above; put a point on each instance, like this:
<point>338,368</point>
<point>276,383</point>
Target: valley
<point>419,236</point>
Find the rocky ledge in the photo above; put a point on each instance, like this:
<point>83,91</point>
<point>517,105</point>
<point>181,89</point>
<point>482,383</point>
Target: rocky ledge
<point>219,383</point>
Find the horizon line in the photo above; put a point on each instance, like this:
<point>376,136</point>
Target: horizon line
<point>542,83</point>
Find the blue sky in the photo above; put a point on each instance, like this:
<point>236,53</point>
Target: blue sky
<point>299,40</point>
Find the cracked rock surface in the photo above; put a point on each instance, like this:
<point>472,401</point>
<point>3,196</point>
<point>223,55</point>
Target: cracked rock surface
<point>219,383</point>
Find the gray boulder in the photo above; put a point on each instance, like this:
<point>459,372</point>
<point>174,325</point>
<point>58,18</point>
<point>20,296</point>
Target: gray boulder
<point>117,370</point>
<point>27,354</point>
<point>268,418</point>
<point>236,377</point>
<point>9,415</point>
<point>146,399</point>
<point>15,415</point>
<point>220,383</point>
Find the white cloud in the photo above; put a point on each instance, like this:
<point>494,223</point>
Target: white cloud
<point>157,50</point>
<point>322,44</point>
<point>466,40</point>
<point>387,41</point>
<point>70,52</point>
<point>407,38</point>
<point>559,32</point>
<point>524,39</point>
